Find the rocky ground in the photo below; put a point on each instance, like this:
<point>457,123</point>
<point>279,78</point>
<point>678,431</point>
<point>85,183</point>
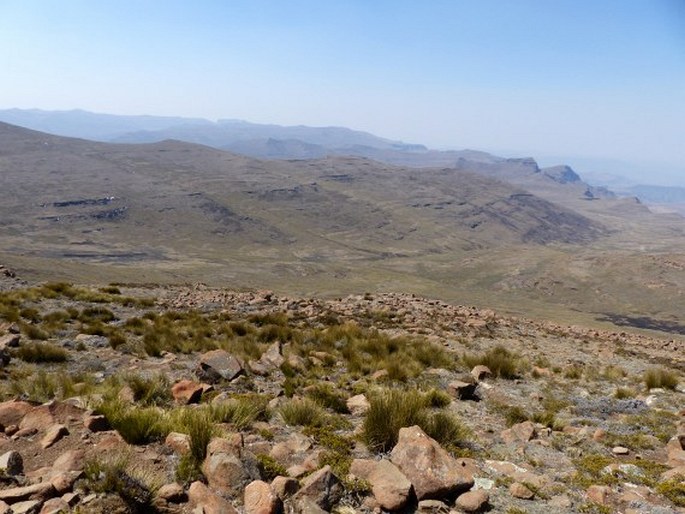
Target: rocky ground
<point>192,399</point>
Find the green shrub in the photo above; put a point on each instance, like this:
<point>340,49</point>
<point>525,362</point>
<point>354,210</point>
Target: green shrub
<point>499,360</point>
<point>199,425</point>
<point>41,352</point>
<point>660,377</point>
<point>515,414</point>
<point>90,314</point>
<point>303,412</point>
<point>34,332</point>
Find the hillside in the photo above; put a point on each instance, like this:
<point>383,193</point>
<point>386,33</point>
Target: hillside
<point>173,211</point>
<point>128,399</point>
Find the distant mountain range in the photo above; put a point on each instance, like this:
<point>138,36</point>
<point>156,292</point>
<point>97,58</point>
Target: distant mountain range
<point>295,142</point>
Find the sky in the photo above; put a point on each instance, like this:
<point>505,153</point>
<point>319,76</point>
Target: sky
<point>602,81</point>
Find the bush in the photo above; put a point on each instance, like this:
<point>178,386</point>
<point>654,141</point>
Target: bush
<point>41,352</point>
<point>499,360</point>
<point>660,377</point>
<point>303,412</point>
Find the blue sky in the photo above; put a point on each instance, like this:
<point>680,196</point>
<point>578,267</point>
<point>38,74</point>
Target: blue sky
<point>599,79</point>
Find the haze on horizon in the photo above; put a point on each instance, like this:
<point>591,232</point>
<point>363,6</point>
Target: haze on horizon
<point>599,82</point>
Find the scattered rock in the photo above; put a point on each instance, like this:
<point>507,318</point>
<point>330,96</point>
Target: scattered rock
<point>473,501</point>
<point>187,392</point>
<point>433,472</point>
<point>53,434</point>
<point>13,411</point>
<point>96,423</point>
<point>620,450</point>
<point>11,463</point>
<point>598,494</point>
<point>225,474</point>
<point>284,487</point>
<point>358,405</point>
<point>519,490</point>
<point>260,498</point>
<point>179,443</point>
<point>211,503</point>
<point>26,507</point>
<point>17,494</point>
<point>322,487</point>
<point>481,372</point>
<point>462,390</point>
<point>520,432</point>
<point>55,506</point>
<point>172,493</point>
<point>390,487</point>
<point>219,365</point>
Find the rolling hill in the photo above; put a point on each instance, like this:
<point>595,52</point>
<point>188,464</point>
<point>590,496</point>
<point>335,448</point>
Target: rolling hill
<point>179,212</point>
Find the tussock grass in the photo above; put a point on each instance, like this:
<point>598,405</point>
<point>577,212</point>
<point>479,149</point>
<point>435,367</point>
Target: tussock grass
<point>136,425</point>
<point>37,385</point>
<point>501,362</point>
<point>392,409</point>
<point>302,412</point>
<point>121,475</point>
<point>327,396</point>
<point>241,411</point>
<point>660,377</point>
<point>41,352</point>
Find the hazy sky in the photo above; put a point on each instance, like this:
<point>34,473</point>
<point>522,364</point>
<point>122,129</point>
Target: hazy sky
<point>591,78</point>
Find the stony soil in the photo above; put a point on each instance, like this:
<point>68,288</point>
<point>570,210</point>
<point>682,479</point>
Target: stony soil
<point>574,429</point>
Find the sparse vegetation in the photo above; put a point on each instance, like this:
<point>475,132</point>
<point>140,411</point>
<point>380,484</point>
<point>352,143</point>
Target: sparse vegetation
<point>392,409</point>
<point>41,352</point>
<point>660,377</point>
<point>302,412</point>
<point>499,360</point>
